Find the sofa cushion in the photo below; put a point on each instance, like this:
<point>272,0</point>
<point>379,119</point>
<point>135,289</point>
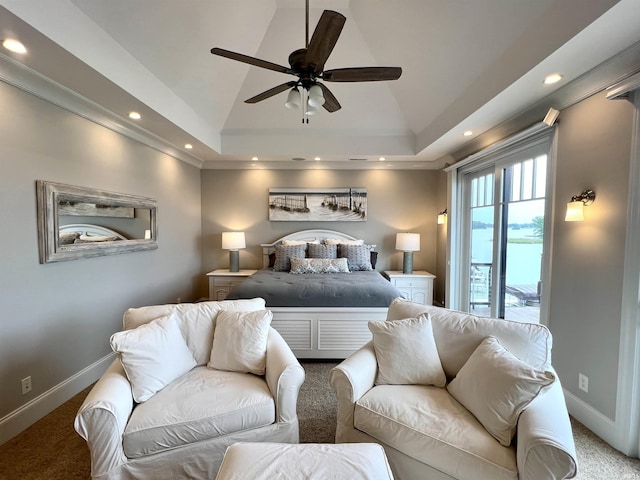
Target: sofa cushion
<point>429,425</point>
<point>152,355</point>
<point>529,342</point>
<point>202,404</point>
<point>496,387</point>
<point>196,320</point>
<point>240,341</point>
<point>406,352</point>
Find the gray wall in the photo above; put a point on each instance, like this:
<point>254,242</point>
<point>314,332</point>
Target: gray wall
<point>56,319</point>
<point>594,149</point>
<point>397,201</point>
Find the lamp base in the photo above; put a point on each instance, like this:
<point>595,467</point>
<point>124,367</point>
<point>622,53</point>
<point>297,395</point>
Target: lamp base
<point>234,261</point>
<point>407,262</point>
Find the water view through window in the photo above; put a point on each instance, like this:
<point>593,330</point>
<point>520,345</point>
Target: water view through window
<point>517,241</point>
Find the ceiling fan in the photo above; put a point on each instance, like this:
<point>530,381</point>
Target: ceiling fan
<point>308,65</point>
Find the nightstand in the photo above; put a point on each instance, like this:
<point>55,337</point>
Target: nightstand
<point>416,286</point>
<point>222,281</point>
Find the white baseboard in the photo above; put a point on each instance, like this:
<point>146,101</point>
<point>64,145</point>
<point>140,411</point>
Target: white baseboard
<point>29,413</point>
<point>601,425</point>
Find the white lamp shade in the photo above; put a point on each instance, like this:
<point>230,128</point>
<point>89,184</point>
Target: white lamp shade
<point>293,99</point>
<point>408,242</point>
<point>575,212</point>
<point>233,240</point>
<point>311,110</point>
<point>442,218</point>
<point>316,97</point>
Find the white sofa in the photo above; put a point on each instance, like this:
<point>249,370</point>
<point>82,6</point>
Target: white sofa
<point>427,434</point>
<point>183,430</point>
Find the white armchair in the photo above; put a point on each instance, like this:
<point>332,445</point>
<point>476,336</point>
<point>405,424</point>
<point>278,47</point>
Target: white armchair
<point>183,430</point>
<point>428,434</point>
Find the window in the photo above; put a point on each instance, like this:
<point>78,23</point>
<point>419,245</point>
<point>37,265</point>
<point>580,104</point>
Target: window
<point>501,223</point>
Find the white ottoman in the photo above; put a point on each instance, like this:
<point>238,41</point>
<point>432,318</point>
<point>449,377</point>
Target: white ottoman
<point>308,461</point>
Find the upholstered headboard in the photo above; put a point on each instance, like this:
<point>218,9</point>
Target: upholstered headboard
<point>303,235</point>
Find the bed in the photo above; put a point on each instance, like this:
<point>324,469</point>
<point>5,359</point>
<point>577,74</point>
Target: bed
<point>319,327</point>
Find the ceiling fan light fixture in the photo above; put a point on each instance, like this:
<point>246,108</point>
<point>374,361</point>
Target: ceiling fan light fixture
<point>316,97</point>
<point>312,110</point>
<point>293,99</point>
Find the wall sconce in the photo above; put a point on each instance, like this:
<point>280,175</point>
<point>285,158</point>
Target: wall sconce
<point>408,243</point>
<point>233,241</point>
<point>575,208</point>
<point>442,217</point>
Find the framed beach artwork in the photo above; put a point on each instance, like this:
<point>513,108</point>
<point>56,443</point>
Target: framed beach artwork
<point>318,204</point>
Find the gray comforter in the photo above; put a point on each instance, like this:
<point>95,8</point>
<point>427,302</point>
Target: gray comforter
<point>284,289</point>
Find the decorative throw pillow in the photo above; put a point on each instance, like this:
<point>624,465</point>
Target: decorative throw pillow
<point>152,355</point>
<point>319,265</point>
<point>322,251</point>
<point>284,253</point>
<point>240,341</point>
<point>338,241</point>
<point>358,256</point>
<point>406,352</point>
<point>496,386</point>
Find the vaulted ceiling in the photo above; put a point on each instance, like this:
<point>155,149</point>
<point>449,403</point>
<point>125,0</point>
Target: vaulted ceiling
<point>467,65</point>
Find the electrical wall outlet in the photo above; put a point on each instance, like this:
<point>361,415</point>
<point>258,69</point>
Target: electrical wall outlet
<point>583,382</point>
<point>26,385</point>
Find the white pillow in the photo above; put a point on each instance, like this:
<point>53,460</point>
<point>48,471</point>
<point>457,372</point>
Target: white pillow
<point>240,341</point>
<point>406,352</point>
<point>496,386</point>
<point>299,242</point>
<point>337,241</point>
<point>152,355</point>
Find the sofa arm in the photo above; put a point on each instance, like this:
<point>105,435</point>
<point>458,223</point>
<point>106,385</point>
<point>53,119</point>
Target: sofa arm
<point>351,379</point>
<point>545,440</point>
<point>102,418</point>
<point>284,376</point>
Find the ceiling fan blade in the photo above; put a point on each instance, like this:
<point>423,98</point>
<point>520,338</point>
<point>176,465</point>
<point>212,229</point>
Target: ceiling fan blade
<point>362,74</point>
<point>271,92</point>
<point>331,103</point>
<point>324,39</point>
<point>250,60</point>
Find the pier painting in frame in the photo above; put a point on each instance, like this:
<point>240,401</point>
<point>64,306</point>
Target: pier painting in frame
<point>318,204</point>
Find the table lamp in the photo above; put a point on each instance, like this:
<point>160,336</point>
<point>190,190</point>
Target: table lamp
<point>408,243</point>
<point>233,241</point>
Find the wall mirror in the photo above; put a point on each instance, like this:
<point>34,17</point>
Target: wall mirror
<point>77,222</point>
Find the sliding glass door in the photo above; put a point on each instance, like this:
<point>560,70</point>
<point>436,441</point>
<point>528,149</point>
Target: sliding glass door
<point>503,231</point>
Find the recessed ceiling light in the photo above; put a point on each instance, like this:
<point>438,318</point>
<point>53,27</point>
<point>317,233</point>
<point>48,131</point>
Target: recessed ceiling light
<point>14,45</point>
<point>382,159</point>
<point>255,159</point>
<point>553,78</point>
<point>317,159</point>
<point>188,146</point>
<point>468,133</point>
<point>135,116</point>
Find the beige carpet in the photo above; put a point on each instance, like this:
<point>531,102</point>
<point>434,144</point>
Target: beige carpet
<point>52,450</point>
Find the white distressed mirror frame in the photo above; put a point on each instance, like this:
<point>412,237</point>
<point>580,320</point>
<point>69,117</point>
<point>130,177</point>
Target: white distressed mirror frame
<point>48,195</point>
